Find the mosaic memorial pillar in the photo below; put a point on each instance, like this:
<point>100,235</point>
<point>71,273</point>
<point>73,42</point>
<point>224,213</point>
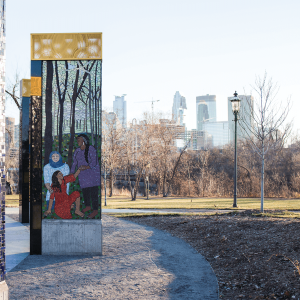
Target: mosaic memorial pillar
<point>65,143</point>
<point>25,92</point>
<point>3,285</point>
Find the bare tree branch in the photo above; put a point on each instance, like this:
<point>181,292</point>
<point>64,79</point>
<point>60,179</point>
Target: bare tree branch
<point>268,116</point>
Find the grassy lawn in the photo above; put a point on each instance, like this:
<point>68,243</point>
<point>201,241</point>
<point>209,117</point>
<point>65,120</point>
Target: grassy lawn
<point>187,203</point>
<point>200,203</point>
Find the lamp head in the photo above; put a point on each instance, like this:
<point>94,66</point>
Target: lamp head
<point>235,102</point>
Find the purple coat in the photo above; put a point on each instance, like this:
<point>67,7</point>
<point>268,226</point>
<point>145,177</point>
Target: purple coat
<point>89,177</point>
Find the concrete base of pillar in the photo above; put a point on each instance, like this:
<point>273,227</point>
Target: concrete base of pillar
<point>71,237</point>
<point>3,291</point>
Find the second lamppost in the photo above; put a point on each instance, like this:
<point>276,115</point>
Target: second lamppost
<point>236,102</point>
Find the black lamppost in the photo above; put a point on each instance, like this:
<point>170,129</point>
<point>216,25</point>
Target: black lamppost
<point>236,102</point>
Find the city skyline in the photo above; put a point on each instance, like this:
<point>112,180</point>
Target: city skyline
<point>179,107</point>
<point>210,132</point>
<point>187,56</point>
<point>209,115</point>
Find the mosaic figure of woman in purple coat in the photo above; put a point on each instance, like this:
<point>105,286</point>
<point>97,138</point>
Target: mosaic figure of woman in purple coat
<point>85,158</point>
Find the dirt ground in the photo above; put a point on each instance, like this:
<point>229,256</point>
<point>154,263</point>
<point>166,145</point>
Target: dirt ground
<point>138,262</point>
<point>253,257</point>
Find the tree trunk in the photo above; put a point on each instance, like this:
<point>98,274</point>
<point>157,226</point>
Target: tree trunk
<point>158,185</point>
<point>262,178</point>
<point>202,184</point>
<point>90,111</point>
<point>174,170</point>
<point>132,191</point>
<point>72,133</point>
<point>128,176</point>
<point>145,186</point>
<point>129,182</point>
<point>61,104</point>
<point>72,130</point>
<point>76,92</point>
<point>96,109</point>
<point>165,185</point>
<point>111,183</point>
<point>60,128</point>
<point>48,110</point>
<point>136,186</point>
<point>189,180</point>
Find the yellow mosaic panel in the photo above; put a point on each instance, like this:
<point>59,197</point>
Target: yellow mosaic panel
<point>66,46</point>
<point>36,86</point>
<point>26,87</point>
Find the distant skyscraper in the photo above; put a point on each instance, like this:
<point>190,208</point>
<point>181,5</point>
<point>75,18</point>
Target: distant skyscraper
<point>179,105</point>
<point>245,112</point>
<point>17,135</point>
<point>219,132</point>
<point>198,140</point>
<point>9,133</point>
<point>205,110</point>
<point>120,108</point>
<point>110,121</point>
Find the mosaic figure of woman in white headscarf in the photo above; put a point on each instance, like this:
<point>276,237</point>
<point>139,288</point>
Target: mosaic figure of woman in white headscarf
<point>55,164</point>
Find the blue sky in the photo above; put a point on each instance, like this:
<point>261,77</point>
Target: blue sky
<point>155,48</point>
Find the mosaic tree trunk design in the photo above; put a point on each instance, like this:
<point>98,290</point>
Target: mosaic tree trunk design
<point>48,111</point>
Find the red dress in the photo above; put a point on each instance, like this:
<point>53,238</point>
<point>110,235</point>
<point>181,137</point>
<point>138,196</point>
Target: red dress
<point>63,201</point>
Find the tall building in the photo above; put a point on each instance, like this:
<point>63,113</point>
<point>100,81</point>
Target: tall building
<point>246,110</point>
<point>120,108</point>
<point>9,133</point>
<point>205,110</point>
<point>219,132</point>
<point>179,105</point>
<point>11,138</point>
<point>17,136</point>
<point>198,140</point>
<point>110,121</point>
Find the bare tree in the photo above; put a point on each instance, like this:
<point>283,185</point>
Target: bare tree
<point>165,152</point>
<point>268,127</point>
<point>12,157</point>
<point>201,164</point>
<point>12,163</point>
<point>143,145</point>
<point>112,134</point>
<point>13,89</point>
<point>129,155</point>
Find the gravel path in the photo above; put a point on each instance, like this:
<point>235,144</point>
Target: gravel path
<point>138,262</point>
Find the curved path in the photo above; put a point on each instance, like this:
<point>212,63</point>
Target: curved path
<point>138,262</point>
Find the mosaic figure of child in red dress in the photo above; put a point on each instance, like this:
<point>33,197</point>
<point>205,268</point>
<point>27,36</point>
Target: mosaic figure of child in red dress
<point>63,201</point>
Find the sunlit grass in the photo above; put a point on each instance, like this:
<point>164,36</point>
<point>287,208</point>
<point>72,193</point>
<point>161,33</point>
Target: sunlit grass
<point>122,202</point>
<point>169,214</point>
<point>279,214</point>
<point>12,200</point>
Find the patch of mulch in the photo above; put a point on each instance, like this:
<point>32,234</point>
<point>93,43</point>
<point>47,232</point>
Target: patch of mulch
<point>253,257</point>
